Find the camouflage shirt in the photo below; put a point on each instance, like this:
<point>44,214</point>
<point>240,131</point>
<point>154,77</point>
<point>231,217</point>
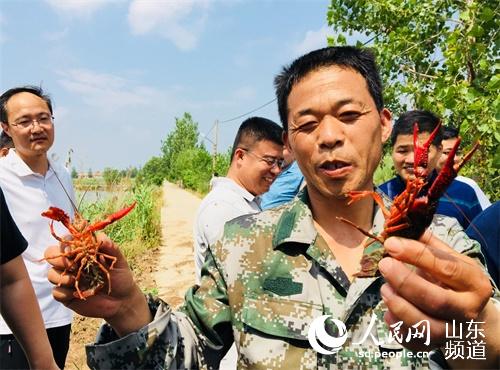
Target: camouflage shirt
<point>263,284</point>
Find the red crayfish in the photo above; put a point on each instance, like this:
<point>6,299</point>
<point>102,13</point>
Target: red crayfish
<point>90,264</point>
<point>412,211</point>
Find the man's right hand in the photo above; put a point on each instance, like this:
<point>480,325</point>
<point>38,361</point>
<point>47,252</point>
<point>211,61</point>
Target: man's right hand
<point>125,308</point>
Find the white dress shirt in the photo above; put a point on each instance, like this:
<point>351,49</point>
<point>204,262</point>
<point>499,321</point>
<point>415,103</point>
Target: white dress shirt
<point>28,194</point>
<point>226,200</point>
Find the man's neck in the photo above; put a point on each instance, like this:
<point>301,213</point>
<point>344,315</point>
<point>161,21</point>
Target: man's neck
<point>327,210</point>
<point>233,175</point>
<point>38,164</point>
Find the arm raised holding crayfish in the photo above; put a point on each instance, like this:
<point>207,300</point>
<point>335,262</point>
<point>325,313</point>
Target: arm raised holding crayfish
<point>125,307</point>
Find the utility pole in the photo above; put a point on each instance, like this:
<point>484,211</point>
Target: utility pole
<point>216,135</point>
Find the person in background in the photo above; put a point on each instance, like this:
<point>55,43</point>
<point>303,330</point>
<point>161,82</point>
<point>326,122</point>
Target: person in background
<point>287,184</point>
<point>450,137</point>
<point>459,200</point>
<point>31,184</point>
<point>6,143</point>
<point>18,304</point>
<point>273,275</point>
<point>256,161</point>
<point>485,228</point>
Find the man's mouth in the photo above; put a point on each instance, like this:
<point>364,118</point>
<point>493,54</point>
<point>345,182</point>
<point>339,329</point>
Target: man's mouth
<point>334,165</point>
<point>335,169</point>
<point>38,138</point>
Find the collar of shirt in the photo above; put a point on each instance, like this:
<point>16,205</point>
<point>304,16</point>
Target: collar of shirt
<point>21,169</point>
<point>231,184</point>
<point>296,222</point>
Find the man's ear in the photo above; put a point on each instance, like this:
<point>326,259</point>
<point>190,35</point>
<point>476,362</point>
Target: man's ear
<point>5,128</point>
<point>386,124</point>
<point>238,154</point>
<point>286,141</point>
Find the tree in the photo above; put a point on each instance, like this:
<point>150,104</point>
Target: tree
<point>184,136</point>
<point>222,162</point>
<point>436,55</point>
<point>89,174</point>
<point>111,176</point>
<point>194,167</point>
<point>153,172</point>
<point>74,173</point>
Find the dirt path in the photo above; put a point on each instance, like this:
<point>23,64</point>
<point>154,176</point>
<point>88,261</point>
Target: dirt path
<point>167,270</point>
<point>175,268</point>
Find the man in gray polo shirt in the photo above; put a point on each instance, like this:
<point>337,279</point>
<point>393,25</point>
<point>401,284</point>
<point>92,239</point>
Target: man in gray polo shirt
<point>256,161</point>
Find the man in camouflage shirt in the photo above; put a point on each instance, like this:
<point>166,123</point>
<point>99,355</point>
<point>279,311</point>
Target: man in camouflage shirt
<point>272,274</point>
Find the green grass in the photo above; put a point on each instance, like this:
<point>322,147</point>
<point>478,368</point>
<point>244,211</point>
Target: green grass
<point>137,231</point>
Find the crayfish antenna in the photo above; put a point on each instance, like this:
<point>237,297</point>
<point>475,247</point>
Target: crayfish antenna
<point>421,152</point>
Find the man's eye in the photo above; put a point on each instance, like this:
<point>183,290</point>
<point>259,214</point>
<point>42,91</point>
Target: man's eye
<point>309,125</point>
<point>349,116</point>
<point>24,122</point>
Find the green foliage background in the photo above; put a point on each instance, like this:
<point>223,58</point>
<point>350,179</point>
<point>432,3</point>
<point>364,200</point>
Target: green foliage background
<point>440,56</point>
<point>184,160</point>
<point>137,231</point>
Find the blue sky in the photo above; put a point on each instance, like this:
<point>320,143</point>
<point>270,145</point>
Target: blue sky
<point>119,71</point>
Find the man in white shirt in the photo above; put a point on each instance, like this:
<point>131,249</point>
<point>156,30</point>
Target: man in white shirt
<point>31,184</point>
<point>450,137</point>
<point>256,161</point>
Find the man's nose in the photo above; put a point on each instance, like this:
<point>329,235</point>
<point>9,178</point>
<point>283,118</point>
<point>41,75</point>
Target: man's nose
<point>35,126</point>
<point>330,132</point>
<point>275,170</point>
<point>409,158</point>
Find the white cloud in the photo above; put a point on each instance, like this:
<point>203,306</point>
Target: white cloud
<point>105,91</point>
<point>78,8</point>
<point>179,21</point>
<point>312,40</point>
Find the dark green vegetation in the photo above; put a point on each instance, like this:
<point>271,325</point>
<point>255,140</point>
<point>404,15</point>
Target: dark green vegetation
<point>184,160</point>
<point>437,55</point>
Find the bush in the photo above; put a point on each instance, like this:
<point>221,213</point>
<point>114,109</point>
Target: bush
<point>137,231</point>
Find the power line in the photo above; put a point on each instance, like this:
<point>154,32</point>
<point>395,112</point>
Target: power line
<point>247,113</point>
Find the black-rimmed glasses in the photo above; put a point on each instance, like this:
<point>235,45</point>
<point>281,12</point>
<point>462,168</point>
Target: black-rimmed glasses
<point>270,161</point>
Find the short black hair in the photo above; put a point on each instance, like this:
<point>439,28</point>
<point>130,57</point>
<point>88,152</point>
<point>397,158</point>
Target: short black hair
<point>450,132</point>
<point>35,90</point>
<point>426,121</point>
<point>6,141</point>
<point>349,57</point>
<point>256,129</point>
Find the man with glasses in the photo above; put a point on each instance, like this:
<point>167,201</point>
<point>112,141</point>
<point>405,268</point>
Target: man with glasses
<point>256,160</point>
<point>31,184</point>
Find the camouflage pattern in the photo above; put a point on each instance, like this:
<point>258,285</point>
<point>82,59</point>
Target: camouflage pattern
<point>262,286</point>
